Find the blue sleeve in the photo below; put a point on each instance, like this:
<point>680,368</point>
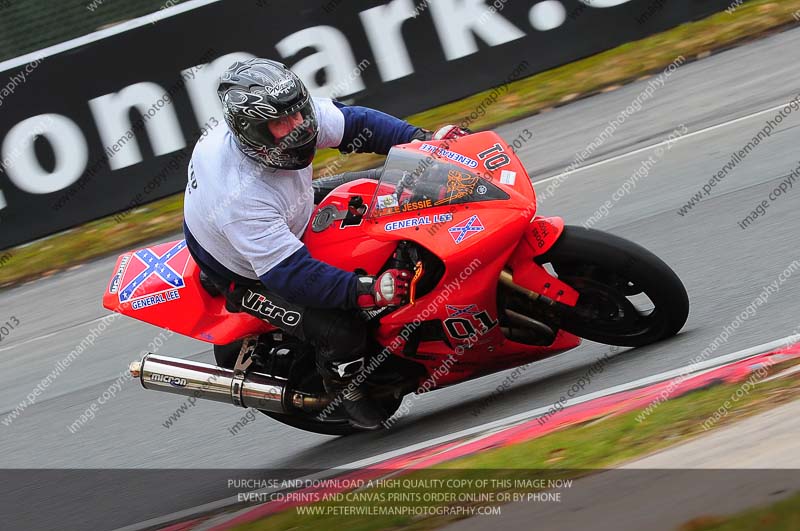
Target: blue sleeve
<point>369,131</point>
<point>300,279</point>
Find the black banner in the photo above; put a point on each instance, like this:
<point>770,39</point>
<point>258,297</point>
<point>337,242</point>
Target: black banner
<point>109,125</point>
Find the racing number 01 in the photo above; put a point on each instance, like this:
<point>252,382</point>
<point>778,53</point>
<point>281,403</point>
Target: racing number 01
<point>462,328</point>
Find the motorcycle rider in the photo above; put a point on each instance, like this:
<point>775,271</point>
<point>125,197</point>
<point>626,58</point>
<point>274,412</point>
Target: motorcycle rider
<point>250,197</point>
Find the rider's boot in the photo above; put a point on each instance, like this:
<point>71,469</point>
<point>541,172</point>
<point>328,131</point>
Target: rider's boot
<point>364,412</point>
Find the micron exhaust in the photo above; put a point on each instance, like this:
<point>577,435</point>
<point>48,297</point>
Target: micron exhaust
<point>209,382</point>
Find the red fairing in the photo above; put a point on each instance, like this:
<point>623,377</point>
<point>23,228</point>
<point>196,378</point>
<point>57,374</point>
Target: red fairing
<point>160,285</point>
<point>349,247</point>
<point>477,216</point>
<point>475,245</point>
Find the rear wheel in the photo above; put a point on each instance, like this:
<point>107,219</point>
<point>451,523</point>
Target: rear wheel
<point>307,423</point>
<point>308,380</point>
<point>336,424</point>
<point>335,421</point>
<point>225,355</point>
<point>628,296</point>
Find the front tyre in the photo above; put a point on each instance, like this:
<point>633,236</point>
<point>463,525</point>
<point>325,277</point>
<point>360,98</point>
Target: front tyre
<point>628,296</point>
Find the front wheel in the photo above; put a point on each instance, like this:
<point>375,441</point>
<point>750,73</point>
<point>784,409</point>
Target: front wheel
<point>628,296</point>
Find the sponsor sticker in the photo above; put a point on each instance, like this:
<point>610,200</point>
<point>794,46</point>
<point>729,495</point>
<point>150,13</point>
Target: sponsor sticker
<point>153,275</point>
<point>410,206</point>
<point>461,311</point>
<point>174,381</point>
<point>452,155</point>
<point>387,201</point>
<point>258,303</point>
<point>466,229</point>
<point>508,177</point>
<point>467,321</point>
<point>540,233</point>
<point>152,300</point>
<point>114,287</point>
<point>416,205</point>
<point>459,184</point>
<point>418,221</point>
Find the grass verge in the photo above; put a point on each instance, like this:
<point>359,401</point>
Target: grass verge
<point>780,516</point>
<point>567,453</point>
<point>524,97</point>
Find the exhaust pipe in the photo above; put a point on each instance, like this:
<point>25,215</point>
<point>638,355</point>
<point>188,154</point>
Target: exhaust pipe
<point>209,382</point>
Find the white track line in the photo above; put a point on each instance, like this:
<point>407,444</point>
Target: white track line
<point>161,14</point>
<point>664,143</point>
<point>494,425</point>
<point>533,413</point>
<point>50,334</point>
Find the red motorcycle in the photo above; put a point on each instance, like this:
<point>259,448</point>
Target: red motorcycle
<point>495,286</point>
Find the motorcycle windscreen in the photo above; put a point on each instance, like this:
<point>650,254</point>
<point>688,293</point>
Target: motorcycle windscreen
<point>414,180</point>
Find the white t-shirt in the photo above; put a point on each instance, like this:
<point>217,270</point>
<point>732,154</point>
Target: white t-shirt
<point>249,217</point>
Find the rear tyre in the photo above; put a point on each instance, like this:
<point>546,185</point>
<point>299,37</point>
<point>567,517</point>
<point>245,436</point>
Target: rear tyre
<point>225,355</point>
<point>328,427</point>
<point>628,296</point>
<point>337,425</point>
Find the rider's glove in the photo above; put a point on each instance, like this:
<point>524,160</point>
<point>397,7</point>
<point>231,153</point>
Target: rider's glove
<point>387,289</point>
<point>450,132</point>
<point>446,132</point>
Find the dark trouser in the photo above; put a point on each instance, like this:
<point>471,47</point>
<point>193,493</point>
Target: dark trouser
<point>338,335</point>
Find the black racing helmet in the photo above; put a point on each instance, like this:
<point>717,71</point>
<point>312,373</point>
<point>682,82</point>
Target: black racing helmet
<point>270,113</point>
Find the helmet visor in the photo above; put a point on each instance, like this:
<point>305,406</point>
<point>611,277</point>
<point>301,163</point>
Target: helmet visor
<point>296,128</point>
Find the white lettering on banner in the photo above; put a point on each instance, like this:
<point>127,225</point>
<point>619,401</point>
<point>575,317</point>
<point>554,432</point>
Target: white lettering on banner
<point>202,82</point>
<point>604,3</point>
<point>458,21</point>
<point>547,15</point>
<point>459,24</point>
<point>111,114</point>
<point>383,25</point>
<point>68,144</point>
<point>334,56</point>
